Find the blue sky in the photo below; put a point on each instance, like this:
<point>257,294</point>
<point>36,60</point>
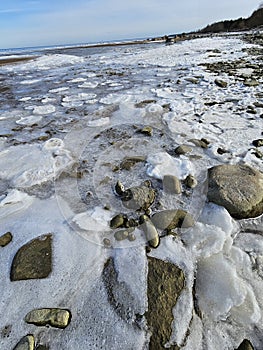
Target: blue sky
<point>51,22</point>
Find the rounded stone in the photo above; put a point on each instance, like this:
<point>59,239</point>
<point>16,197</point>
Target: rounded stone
<point>5,239</point>
<point>183,149</point>
<point>258,143</point>
<point>118,221</point>
<point>238,188</point>
<point>190,181</point>
<point>150,231</point>
<point>121,235</point>
<point>221,83</point>
<point>26,343</point>
<point>171,184</point>
<point>171,219</point>
<point>58,318</point>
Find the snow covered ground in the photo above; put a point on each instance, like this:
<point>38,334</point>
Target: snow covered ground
<point>67,121</point>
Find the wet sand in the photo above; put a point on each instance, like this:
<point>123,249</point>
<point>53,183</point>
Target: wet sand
<point>12,60</point>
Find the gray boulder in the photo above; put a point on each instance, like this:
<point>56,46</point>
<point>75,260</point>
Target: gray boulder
<point>238,188</point>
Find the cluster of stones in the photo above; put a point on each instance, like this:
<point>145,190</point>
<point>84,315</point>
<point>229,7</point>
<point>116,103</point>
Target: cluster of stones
<point>139,199</point>
<point>34,261</point>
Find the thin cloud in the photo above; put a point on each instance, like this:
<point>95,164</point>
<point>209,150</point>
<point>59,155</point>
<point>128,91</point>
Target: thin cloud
<point>7,11</point>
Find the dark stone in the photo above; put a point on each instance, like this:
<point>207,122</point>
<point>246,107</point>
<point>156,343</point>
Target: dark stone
<point>118,221</point>
<point>171,219</point>
<point>221,83</point>
<point>245,345</point>
<point>147,130</point>
<point>42,347</point>
<point>190,181</point>
<point>138,198</point>
<point>183,149</point>
<point>6,239</point>
<point>258,143</point>
<point>130,162</point>
<point>165,283</point>
<point>221,151</point>
<point>238,188</point>
<point>26,343</point>
<point>200,143</point>
<point>251,82</point>
<point>6,331</point>
<point>33,260</point>
<point>106,243</point>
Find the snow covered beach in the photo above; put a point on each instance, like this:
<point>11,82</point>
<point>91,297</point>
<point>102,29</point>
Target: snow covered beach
<point>73,124</point>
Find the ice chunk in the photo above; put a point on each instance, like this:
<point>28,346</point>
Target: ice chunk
<point>133,259</point>
<point>96,219</point>
<point>60,89</point>
<point>249,312</point>
<point>160,164</point>
<point>30,81</point>
<point>218,287</point>
<point>30,120</point>
<point>47,109</point>
<point>215,215</point>
<point>99,122</point>
<point>89,85</point>
<point>28,165</point>
<point>13,202</point>
<point>205,240</point>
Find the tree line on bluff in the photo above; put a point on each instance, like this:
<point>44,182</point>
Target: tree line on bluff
<point>254,21</point>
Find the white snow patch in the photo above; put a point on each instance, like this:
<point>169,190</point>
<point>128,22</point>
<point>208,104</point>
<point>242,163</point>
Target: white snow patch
<point>160,164</point>
<point>47,109</point>
<point>99,122</point>
<point>14,201</point>
<point>30,120</point>
<point>96,219</point>
<point>28,165</point>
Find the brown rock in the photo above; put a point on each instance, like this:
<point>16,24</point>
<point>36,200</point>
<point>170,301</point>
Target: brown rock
<point>33,260</point>
<point>6,239</point>
<point>165,283</point>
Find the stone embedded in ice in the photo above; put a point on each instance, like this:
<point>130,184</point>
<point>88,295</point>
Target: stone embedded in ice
<point>160,164</point>
<point>154,108</point>
<point>53,144</point>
